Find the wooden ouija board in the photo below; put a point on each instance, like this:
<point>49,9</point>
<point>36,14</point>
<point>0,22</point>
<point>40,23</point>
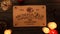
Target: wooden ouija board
<point>29,15</point>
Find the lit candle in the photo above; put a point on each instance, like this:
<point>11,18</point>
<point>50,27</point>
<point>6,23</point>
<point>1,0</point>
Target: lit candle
<point>45,30</point>
<point>52,26</point>
<point>8,31</point>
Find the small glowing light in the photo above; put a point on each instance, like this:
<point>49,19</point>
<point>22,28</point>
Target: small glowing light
<point>8,31</point>
<point>52,25</point>
<point>45,30</point>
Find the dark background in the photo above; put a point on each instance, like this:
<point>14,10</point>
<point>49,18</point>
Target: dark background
<point>53,14</point>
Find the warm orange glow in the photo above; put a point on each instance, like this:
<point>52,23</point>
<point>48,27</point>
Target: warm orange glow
<point>8,31</point>
<point>45,30</point>
<point>52,25</point>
